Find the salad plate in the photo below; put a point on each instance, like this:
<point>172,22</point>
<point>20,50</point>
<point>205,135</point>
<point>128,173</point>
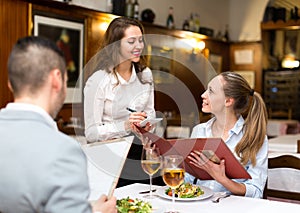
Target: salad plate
<point>134,205</point>
<point>161,192</point>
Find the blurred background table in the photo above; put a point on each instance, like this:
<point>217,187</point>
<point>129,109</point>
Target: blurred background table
<point>284,143</point>
<point>277,127</point>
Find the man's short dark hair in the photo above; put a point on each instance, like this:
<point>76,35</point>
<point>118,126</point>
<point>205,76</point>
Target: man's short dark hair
<point>30,62</point>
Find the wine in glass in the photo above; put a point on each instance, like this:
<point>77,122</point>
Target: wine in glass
<point>173,174</point>
<point>151,162</point>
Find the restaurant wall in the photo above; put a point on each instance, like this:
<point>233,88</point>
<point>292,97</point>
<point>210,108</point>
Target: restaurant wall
<point>19,24</point>
<point>243,16</point>
<point>16,25</point>
<point>244,19</point>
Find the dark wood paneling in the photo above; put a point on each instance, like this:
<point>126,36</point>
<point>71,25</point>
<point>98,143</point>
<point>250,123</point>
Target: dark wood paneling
<point>13,25</point>
<point>195,84</point>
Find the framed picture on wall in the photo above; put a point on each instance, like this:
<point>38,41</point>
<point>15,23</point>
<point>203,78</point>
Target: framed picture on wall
<point>68,35</point>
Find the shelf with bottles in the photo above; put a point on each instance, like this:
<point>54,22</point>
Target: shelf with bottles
<point>159,29</point>
<point>290,24</point>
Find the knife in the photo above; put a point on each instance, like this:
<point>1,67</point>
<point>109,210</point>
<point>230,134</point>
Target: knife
<point>145,192</point>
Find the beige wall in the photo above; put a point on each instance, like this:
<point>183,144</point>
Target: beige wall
<point>243,16</point>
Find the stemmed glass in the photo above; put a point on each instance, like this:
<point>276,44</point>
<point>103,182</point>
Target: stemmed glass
<point>151,162</point>
<point>173,174</point>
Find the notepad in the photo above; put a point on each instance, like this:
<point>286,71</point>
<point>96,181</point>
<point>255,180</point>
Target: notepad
<point>150,120</point>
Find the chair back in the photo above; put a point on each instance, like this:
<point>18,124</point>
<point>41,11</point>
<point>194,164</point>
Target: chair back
<point>283,161</point>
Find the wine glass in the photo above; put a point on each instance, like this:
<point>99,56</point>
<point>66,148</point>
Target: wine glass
<point>151,162</point>
<point>173,174</point>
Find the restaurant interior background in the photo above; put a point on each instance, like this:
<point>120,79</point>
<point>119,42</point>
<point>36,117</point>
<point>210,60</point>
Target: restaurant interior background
<point>247,50</point>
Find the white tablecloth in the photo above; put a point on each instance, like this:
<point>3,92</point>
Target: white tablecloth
<point>277,127</point>
<point>231,204</point>
<point>284,143</point>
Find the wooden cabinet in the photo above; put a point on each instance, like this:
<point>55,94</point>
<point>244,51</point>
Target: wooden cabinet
<point>282,94</point>
<point>279,40</point>
<point>281,84</point>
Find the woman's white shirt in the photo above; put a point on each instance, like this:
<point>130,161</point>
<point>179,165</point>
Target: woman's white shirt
<point>106,100</point>
<point>254,186</point>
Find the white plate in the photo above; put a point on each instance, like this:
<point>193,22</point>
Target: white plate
<point>207,194</point>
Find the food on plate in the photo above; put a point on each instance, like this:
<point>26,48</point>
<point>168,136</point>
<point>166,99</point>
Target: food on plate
<point>186,190</point>
<point>129,205</point>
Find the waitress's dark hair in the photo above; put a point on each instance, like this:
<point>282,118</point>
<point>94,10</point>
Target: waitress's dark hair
<point>109,53</point>
<point>37,56</point>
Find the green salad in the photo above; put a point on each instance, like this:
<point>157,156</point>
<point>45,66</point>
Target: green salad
<point>186,190</point>
<point>128,205</point>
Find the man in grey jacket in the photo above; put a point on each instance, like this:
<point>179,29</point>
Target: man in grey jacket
<point>41,169</point>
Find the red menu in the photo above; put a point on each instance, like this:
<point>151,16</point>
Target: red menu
<point>214,148</point>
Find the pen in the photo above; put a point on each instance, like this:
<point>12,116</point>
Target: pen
<point>130,110</point>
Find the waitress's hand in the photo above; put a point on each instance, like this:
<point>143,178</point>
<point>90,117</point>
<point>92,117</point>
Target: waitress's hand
<point>134,120</point>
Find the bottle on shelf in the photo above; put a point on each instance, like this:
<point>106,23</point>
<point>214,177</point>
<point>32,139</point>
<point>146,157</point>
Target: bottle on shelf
<point>129,9</point>
<point>136,8</point>
<point>186,25</point>
<point>170,19</point>
<point>118,7</point>
<point>219,35</point>
<point>191,22</point>
<point>196,23</point>
<point>294,14</point>
<point>226,34</point>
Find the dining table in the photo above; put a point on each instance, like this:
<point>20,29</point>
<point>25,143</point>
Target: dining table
<point>284,179</point>
<point>277,127</point>
<point>284,143</point>
<point>229,204</point>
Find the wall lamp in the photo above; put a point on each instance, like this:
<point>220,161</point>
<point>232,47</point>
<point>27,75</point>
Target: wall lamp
<point>289,61</point>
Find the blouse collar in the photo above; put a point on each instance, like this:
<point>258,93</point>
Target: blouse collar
<point>122,81</point>
<point>236,128</point>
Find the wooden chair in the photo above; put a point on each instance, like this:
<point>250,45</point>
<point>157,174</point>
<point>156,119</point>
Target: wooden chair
<point>280,114</point>
<point>283,161</point>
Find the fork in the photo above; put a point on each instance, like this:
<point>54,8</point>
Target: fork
<point>218,198</point>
